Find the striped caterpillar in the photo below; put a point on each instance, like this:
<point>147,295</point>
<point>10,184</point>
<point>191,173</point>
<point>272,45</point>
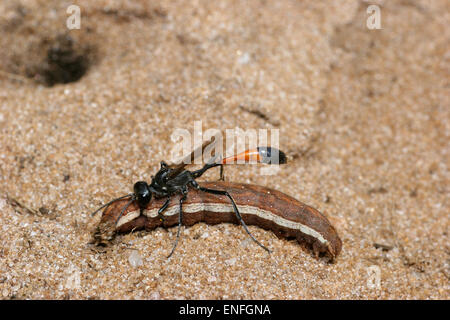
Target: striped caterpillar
<point>260,206</point>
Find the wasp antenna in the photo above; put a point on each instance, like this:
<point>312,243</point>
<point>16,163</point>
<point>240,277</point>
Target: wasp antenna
<point>125,208</point>
<point>105,205</point>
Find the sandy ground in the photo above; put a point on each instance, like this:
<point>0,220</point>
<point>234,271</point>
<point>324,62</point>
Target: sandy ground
<point>363,116</point>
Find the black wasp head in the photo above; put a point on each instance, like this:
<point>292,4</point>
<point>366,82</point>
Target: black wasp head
<point>142,193</point>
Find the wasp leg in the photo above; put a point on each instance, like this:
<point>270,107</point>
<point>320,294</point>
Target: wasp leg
<point>180,221</point>
<point>236,211</point>
<point>162,209</point>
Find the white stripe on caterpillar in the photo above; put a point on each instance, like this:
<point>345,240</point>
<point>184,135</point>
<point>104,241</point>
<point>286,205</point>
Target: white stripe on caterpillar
<point>220,208</point>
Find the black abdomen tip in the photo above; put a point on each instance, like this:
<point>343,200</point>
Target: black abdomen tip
<point>272,155</point>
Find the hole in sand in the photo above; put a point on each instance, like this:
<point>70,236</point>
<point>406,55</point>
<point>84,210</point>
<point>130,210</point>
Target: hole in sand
<point>64,62</point>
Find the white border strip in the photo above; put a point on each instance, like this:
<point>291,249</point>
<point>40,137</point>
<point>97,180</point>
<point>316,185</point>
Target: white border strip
<point>219,208</point>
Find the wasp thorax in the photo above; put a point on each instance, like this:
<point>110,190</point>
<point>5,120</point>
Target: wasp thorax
<point>142,193</point>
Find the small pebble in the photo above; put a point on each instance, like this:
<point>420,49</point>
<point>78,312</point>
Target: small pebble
<point>135,259</point>
<point>231,262</point>
<point>155,296</point>
<point>204,235</point>
<point>244,58</point>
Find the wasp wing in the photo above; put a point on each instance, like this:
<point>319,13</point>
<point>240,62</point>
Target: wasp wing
<point>177,168</point>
